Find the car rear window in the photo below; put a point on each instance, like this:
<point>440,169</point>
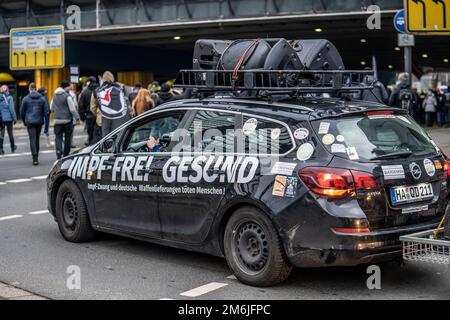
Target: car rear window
<point>363,138</point>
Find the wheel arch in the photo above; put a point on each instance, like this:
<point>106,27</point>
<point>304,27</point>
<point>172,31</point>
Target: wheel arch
<point>232,208</point>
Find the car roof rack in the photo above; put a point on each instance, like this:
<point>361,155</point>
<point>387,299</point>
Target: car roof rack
<point>276,81</point>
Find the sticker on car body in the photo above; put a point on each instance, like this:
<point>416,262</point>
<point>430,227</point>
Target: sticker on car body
<point>301,133</point>
<point>285,168</point>
<point>324,127</point>
<point>393,172</point>
<point>429,167</point>
<point>279,186</point>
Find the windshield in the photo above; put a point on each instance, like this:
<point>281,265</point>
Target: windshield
<point>369,138</point>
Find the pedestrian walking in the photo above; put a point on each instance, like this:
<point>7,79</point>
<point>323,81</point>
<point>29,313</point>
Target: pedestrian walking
<point>43,91</point>
<point>33,110</point>
<point>7,118</point>
<point>84,108</point>
<point>65,116</point>
<point>429,106</point>
<point>111,104</point>
<point>440,108</point>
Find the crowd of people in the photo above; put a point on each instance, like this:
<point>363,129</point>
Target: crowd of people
<point>427,108</point>
<point>103,105</point>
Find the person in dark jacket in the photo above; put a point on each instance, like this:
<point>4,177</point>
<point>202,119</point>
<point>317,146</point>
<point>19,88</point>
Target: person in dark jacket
<point>84,108</point>
<point>65,115</point>
<point>7,118</point>
<point>33,110</point>
<point>43,91</point>
<point>403,96</point>
<point>440,108</point>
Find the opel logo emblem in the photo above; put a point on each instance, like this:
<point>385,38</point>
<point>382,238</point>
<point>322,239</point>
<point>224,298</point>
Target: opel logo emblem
<point>415,170</point>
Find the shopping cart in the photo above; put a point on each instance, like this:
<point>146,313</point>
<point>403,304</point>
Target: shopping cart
<point>431,246</point>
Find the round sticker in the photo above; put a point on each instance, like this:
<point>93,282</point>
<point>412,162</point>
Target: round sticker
<point>301,133</point>
<point>250,126</point>
<point>328,139</point>
<point>340,138</point>
<point>275,134</point>
<point>429,167</point>
<point>305,151</point>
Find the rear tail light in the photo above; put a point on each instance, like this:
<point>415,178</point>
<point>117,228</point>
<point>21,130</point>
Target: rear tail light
<point>337,182</point>
<point>380,113</point>
<point>447,168</point>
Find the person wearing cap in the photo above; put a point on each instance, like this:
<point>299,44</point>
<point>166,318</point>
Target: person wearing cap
<point>110,105</point>
<point>65,115</point>
<point>33,110</point>
<point>84,108</point>
<point>7,118</point>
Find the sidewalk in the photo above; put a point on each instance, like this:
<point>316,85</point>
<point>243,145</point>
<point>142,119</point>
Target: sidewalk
<point>8,292</point>
<point>441,137</point>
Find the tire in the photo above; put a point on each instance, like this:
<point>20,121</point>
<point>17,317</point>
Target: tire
<point>72,215</point>
<point>253,249</point>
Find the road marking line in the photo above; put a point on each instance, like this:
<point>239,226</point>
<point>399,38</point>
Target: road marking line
<point>166,299</point>
<point>2,183</point>
<point>203,289</point>
<point>18,180</point>
<point>38,212</point>
<point>14,216</point>
<point>39,178</point>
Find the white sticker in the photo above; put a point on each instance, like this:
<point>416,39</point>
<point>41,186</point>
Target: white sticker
<point>338,148</point>
<point>305,151</point>
<point>301,133</point>
<point>352,153</point>
<point>250,126</point>
<point>328,139</point>
<point>404,119</point>
<point>285,168</point>
<point>393,172</point>
<point>429,167</point>
<point>324,127</point>
<point>275,133</point>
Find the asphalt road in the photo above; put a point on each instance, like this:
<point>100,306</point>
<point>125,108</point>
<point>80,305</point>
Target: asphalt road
<point>34,257</point>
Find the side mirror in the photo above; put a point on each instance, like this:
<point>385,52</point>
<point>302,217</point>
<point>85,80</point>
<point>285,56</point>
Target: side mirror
<point>107,146</point>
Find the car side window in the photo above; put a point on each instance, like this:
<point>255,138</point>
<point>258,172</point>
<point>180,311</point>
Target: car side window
<point>265,137</point>
<point>212,132</point>
<point>153,135</point>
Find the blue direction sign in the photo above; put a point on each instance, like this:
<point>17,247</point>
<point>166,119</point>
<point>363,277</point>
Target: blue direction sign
<point>399,21</point>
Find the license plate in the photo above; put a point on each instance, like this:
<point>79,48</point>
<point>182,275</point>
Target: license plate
<point>411,193</point>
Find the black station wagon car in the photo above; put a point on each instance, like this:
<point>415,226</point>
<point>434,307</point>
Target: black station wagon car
<point>270,182</point>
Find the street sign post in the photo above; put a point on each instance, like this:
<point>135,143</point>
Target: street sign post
<point>36,48</point>
<point>427,16</point>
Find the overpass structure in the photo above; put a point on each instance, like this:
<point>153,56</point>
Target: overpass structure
<point>158,35</point>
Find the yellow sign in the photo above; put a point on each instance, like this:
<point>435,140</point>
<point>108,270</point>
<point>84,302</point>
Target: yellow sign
<point>427,16</point>
<point>36,48</point>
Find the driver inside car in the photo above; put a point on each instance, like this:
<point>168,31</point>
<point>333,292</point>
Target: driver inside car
<point>153,145</point>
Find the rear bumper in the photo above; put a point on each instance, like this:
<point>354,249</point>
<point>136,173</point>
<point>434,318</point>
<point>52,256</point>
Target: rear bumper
<point>352,250</point>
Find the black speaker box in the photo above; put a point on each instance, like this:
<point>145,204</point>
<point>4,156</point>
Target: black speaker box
<point>207,53</point>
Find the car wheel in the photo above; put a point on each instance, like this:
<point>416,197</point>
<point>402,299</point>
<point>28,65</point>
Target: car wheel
<point>253,249</point>
<point>72,215</point>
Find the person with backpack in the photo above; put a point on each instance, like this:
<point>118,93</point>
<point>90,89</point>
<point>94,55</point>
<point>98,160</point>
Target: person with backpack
<point>8,118</point>
<point>429,106</point>
<point>403,97</point>
<point>33,110</point>
<point>65,115</point>
<point>111,104</point>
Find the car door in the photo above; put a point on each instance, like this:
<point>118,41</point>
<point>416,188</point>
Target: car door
<point>130,203</point>
<point>195,180</point>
